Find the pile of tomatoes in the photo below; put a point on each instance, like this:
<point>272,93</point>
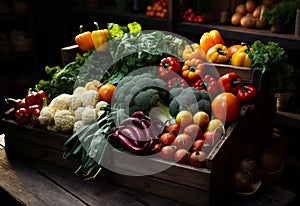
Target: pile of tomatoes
<point>158,9</point>
<point>190,15</point>
<point>190,139</point>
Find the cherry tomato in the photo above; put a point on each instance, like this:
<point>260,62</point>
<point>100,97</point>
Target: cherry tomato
<point>201,19</point>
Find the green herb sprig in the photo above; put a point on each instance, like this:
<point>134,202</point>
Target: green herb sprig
<point>267,55</point>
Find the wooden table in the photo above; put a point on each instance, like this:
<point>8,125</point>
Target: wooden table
<point>24,181</point>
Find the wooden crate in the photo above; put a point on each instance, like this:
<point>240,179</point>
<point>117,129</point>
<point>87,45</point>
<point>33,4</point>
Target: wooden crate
<point>194,186</point>
<point>179,182</point>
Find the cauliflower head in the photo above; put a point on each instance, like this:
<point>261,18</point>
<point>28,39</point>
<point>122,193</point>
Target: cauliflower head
<point>64,120</point>
<point>78,113</point>
<point>89,115</point>
<point>61,102</point>
<point>79,90</point>
<point>47,116</point>
<point>77,125</point>
<point>90,97</point>
<point>75,101</point>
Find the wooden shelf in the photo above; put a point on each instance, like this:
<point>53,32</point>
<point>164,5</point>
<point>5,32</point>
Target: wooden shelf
<point>173,24</point>
<point>288,118</point>
<point>110,14</point>
<point>289,41</point>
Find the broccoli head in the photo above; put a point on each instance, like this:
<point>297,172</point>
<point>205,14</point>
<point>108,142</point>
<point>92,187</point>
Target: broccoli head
<point>141,92</point>
<point>144,100</point>
<point>190,99</point>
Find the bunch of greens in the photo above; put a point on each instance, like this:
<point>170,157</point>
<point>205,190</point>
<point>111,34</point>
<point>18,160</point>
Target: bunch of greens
<point>138,50</point>
<point>284,10</point>
<point>61,80</point>
<point>267,55</point>
<point>273,60</point>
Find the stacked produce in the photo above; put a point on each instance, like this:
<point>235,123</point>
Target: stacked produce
<point>158,9</point>
<point>145,93</point>
<point>190,15</point>
<point>249,15</point>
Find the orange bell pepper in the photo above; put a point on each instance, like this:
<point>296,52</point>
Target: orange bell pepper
<point>208,39</point>
<point>233,48</point>
<point>99,37</point>
<point>217,54</point>
<point>192,70</point>
<point>84,40</point>
<point>193,51</point>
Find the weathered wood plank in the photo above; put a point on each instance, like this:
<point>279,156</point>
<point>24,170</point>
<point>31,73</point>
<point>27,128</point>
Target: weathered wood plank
<point>107,188</point>
<point>28,187</point>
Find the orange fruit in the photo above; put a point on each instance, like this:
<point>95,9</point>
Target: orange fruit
<point>106,92</point>
<point>226,107</point>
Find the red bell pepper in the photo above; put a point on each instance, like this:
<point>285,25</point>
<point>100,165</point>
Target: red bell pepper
<point>230,82</point>
<point>42,94</point>
<point>35,113</point>
<point>208,83</point>
<point>168,66</point>
<point>22,116</point>
<point>34,118</point>
<point>31,108</point>
<point>246,94</point>
<point>177,82</point>
<point>31,98</point>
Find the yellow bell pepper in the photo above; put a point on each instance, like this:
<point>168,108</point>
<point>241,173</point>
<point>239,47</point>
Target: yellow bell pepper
<point>208,39</point>
<point>193,51</point>
<point>241,57</point>
<point>217,54</point>
<point>99,38</point>
<point>84,40</point>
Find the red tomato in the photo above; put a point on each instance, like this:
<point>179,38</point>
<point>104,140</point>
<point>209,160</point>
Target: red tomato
<point>167,152</point>
<point>182,156</point>
<point>211,138</point>
<point>167,138</point>
<point>197,159</point>
<point>156,148</point>
<point>194,131</point>
<point>183,141</point>
<point>197,145</point>
<point>174,128</point>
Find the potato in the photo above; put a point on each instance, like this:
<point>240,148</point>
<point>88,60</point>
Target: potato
<point>241,8</point>
<point>256,12</point>
<point>250,6</point>
<point>236,18</point>
<point>260,23</point>
<point>247,21</point>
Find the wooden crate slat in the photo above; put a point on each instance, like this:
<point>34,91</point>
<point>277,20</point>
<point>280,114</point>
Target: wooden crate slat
<point>178,192</point>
